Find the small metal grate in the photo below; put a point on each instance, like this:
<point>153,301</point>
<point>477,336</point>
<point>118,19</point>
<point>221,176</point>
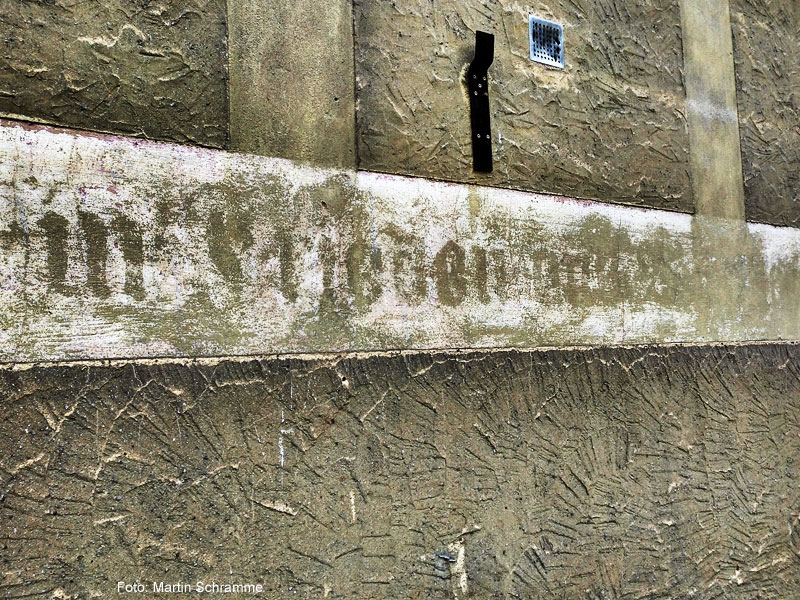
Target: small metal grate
<point>547,42</point>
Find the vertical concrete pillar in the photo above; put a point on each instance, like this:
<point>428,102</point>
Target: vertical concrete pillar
<point>712,114</point>
<point>292,80</point>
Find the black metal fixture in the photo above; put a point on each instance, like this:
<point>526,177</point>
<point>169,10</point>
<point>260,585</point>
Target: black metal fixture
<point>478,85</point>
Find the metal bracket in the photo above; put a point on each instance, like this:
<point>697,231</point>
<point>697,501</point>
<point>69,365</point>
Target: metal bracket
<point>478,86</point>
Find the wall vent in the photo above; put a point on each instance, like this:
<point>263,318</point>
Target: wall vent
<point>547,42</point>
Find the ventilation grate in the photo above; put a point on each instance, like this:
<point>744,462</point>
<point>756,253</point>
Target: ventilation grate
<point>547,42</point>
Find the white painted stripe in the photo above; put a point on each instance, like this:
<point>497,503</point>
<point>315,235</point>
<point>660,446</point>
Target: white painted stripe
<point>249,255</point>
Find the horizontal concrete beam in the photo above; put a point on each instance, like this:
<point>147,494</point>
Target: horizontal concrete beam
<point>113,247</point>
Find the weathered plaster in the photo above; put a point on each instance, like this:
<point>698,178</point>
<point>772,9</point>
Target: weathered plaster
<point>612,473</point>
<point>767,52</point>
<point>610,127</point>
<point>291,92</point>
<point>154,69</point>
<point>117,247</point>
<point>711,109</point>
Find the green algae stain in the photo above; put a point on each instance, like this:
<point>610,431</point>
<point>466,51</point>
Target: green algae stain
<point>327,254</point>
<point>288,277</point>
<point>95,234</point>
<point>480,274</point>
<point>363,263</point>
<point>406,263</point>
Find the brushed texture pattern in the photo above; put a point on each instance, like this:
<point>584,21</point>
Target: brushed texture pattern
<point>611,473</point>
<point>153,69</point>
<point>611,126</point>
<point>766,38</point>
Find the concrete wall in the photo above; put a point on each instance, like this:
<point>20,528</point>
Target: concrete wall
<point>614,473</point>
<point>292,90</point>
<point>767,43</point>
<point>372,458</point>
<point>142,68</point>
<point>647,111</point>
<point>619,102</point>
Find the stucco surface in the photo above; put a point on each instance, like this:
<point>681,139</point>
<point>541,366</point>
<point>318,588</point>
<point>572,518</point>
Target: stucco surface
<point>154,69</point>
<point>716,157</point>
<point>767,53</point>
<point>611,126</point>
<point>118,248</point>
<point>613,473</point>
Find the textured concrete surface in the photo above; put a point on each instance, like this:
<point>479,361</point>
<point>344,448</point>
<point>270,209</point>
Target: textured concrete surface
<point>155,69</point>
<point>292,93</point>
<point>617,473</point>
<point>767,44</point>
<point>711,109</point>
<point>119,247</point>
<point>611,126</point>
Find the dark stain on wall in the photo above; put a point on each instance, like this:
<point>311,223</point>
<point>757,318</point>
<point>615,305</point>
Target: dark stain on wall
<point>129,240</point>
<point>407,266</point>
<point>55,229</point>
<point>610,473</point>
<point>157,70</point>
<point>229,236</point>
<point>95,236</point>
<point>610,127</point>
<point>363,262</point>
<point>766,37</point>
<point>449,266</point>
